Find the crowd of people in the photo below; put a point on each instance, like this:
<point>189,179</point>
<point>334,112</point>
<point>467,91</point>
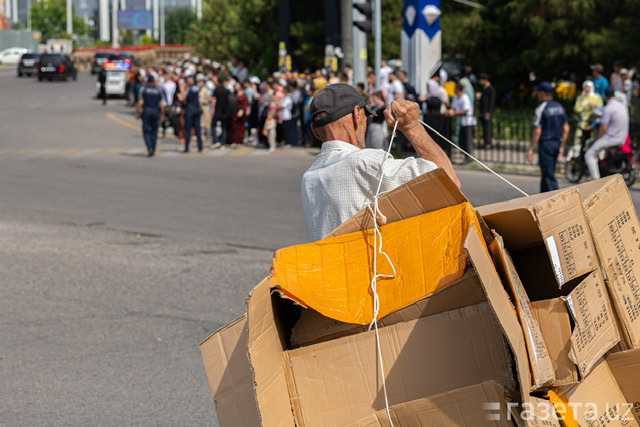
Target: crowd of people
<point>223,105</point>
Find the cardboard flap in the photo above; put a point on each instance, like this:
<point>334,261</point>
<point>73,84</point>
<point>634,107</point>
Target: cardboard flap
<point>596,401</point>
<point>555,325</point>
<point>224,355</point>
<point>480,405</point>
<point>625,367</point>
<point>429,192</point>
<point>595,331</point>
<point>502,308</point>
<point>265,347</point>
<point>333,276</point>
<point>542,370</point>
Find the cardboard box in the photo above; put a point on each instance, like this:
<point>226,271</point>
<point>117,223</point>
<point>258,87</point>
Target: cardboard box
<point>271,318</point>
<point>481,405</point>
<point>596,401</point>
<point>615,228</point>
<point>313,327</point>
<point>542,370</point>
<point>226,363</point>
<point>551,227</point>
<point>594,332</point>
<point>339,382</point>
<point>625,367</point>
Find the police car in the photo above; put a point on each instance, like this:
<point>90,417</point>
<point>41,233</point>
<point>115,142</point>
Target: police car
<point>117,68</point>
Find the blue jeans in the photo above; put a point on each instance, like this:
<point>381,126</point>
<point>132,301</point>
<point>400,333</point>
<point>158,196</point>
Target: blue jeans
<point>548,157</point>
<point>192,120</point>
<point>150,118</point>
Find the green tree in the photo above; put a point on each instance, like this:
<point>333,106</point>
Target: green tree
<point>50,18</point>
<point>241,29</point>
<point>178,26</point>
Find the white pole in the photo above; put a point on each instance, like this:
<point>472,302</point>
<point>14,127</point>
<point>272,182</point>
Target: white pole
<point>147,6</point>
<point>69,17</point>
<point>162,33</point>
<point>14,11</point>
<point>156,20</point>
<point>114,24</point>
<point>8,13</point>
<point>104,19</point>
<point>377,29</point>
<point>123,4</point>
<point>29,15</point>
<point>199,9</point>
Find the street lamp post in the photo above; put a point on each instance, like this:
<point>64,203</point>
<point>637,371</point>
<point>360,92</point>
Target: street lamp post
<point>69,17</point>
<point>162,34</point>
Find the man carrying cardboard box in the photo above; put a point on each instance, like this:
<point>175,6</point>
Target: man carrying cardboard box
<point>344,177</point>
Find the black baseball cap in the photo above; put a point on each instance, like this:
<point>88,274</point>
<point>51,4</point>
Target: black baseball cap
<point>337,100</point>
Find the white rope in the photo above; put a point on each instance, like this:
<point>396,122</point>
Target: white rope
<point>377,248</point>
<point>474,159</point>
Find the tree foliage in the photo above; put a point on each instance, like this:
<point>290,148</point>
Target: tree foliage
<point>178,26</point>
<point>50,18</point>
<point>242,29</point>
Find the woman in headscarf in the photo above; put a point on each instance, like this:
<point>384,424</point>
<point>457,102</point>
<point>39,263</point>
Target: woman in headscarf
<point>585,104</point>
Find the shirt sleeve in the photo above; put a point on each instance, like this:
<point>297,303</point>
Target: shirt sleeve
<point>537,122</point>
<point>400,171</point>
<point>606,116</point>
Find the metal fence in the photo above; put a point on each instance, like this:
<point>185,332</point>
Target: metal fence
<point>512,137</point>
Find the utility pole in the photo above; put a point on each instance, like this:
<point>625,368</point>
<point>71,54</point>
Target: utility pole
<point>69,17</point>
<point>162,33</point>
<point>103,11</point>
<point>156,20</point>
<point>377,31</point>
<point>115,42</point>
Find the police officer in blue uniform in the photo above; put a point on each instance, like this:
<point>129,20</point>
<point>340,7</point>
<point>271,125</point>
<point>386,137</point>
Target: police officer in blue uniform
<point>193,114</point>
<point>150,101</point>
<point>550,132</point>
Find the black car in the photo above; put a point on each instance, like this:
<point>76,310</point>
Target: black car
<point>122,57</point>
<point>56,66</point>
<point>99,59</point>
<point>28,64</point>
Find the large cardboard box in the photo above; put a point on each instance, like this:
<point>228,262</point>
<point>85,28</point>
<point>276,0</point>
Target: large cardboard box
<point>625,367</point>
<point>545,227</point>
<point>481,405</point>
<point>339,382</point>
<point>615,228</point>
<point>271,318</point>
<point>596,401</point>
<point>227,367</point>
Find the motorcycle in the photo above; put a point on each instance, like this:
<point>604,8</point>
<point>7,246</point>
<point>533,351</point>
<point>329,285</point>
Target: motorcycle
<point>616,160</point>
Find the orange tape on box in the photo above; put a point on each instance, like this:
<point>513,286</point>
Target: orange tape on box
<point>333,276</point>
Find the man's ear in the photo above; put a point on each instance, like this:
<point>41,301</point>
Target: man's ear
<point>314,131</point>
<point>355,115</point>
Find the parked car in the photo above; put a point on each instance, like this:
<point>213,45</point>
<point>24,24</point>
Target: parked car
<point>56,66</point>
<point>12,55</point>
<point>99,59</point>
<point>28,64</point>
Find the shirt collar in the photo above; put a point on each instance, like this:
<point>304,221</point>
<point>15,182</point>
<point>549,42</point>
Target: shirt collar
<point>337,145</point>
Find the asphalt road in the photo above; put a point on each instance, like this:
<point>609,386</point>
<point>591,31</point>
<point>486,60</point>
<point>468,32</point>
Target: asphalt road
<point>114,266</point>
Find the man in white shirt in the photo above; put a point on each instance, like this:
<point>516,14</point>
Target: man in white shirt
<point>613,131</point>
<point>344,177</point>
<point>462,108</point>
<point>396,89</point>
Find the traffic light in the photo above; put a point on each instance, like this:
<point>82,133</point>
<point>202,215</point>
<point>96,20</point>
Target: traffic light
<point>364,22</point>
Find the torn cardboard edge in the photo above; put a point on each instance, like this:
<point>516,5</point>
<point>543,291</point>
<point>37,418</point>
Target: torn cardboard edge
<point>542,372</point>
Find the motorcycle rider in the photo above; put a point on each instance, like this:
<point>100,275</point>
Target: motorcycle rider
<point>613,131</point>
